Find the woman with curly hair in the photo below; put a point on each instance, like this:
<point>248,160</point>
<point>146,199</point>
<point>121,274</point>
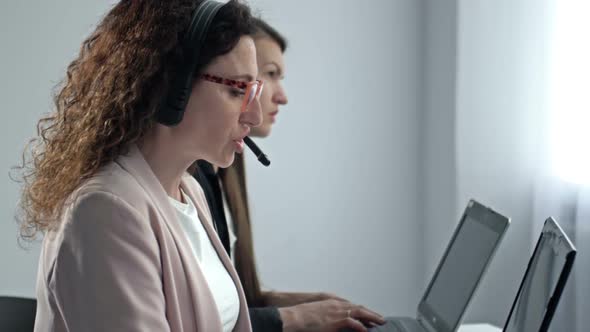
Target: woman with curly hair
<point>128,240</point>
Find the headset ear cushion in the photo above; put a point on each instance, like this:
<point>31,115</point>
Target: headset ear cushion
<point>174,104</point>
<point>172,111</point>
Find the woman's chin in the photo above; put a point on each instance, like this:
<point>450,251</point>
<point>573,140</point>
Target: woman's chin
<point>225,162</point>
<point>261,132</point>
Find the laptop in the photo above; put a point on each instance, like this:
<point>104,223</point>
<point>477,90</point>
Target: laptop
<point>458,274</point>
<point>543,282</point>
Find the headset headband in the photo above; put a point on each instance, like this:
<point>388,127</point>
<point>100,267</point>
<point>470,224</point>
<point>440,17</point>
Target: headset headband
<point>172,110</point>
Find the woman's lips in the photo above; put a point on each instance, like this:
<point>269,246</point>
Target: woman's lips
<point>239,145</point>
<point>273,116</point>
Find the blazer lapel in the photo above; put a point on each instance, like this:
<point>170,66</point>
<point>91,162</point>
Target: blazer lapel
<point>137,166</point>
<point>190,187</point>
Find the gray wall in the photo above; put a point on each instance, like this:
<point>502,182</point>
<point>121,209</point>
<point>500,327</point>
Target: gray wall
<point>337,209</point>
<point>39,39</point>
<point>438,165</point>
<point>502,49</point>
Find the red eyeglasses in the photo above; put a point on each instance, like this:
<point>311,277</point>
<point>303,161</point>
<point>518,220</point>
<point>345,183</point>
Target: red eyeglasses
<point>252,89</point>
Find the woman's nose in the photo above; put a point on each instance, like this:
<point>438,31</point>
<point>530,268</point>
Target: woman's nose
<point>253,114</point>
<point>279,96</point>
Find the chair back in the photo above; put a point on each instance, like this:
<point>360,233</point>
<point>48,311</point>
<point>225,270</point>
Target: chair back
<point>17,314</point>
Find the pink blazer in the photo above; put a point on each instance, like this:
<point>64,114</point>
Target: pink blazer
<point>121,262</point>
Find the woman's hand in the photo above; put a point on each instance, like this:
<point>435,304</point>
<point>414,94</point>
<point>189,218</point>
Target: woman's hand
<point>328,316</point>
<point>287,299</point>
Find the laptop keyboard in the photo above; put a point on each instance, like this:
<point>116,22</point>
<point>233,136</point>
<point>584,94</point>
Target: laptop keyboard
<point>397,324</point>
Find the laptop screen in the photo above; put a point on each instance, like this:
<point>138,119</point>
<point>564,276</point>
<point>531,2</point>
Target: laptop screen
<point>462,267</point>
<point>532,309</point>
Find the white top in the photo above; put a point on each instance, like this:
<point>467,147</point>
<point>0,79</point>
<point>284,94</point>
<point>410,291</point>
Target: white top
<point>220,282</point>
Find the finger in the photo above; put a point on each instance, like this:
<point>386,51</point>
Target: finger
<point>360,307</point>
<point>366,315</point>
<point>338,304</point>
<point>349,323</point>
<point>372,324</point>
<point>335,297</point>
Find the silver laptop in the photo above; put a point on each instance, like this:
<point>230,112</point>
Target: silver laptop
<point>458,274</point>
<point>543,281</point>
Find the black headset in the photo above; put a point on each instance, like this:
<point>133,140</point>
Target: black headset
<point>172,109</point>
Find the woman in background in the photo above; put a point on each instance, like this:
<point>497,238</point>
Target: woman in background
<point>270,310</point>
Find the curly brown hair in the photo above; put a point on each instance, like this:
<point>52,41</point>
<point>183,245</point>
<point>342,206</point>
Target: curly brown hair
<point>109,96</point>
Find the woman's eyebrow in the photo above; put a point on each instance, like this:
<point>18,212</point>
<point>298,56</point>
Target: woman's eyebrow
<point>246,77</point>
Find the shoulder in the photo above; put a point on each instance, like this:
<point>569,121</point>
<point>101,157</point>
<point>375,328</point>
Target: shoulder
<point>98,226</point>
<point>97,218</point>
<point>112,180</point>
<point>110,202</point>
<point>101,222</point>
<point>112,186</point>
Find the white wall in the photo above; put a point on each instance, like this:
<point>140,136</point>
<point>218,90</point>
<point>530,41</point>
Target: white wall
<point>38,40</point>
<point>337,210</point>
<point>501,74</point>
<point>438,172</point>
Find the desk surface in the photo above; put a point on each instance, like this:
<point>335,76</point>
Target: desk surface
<point>478,328</point>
